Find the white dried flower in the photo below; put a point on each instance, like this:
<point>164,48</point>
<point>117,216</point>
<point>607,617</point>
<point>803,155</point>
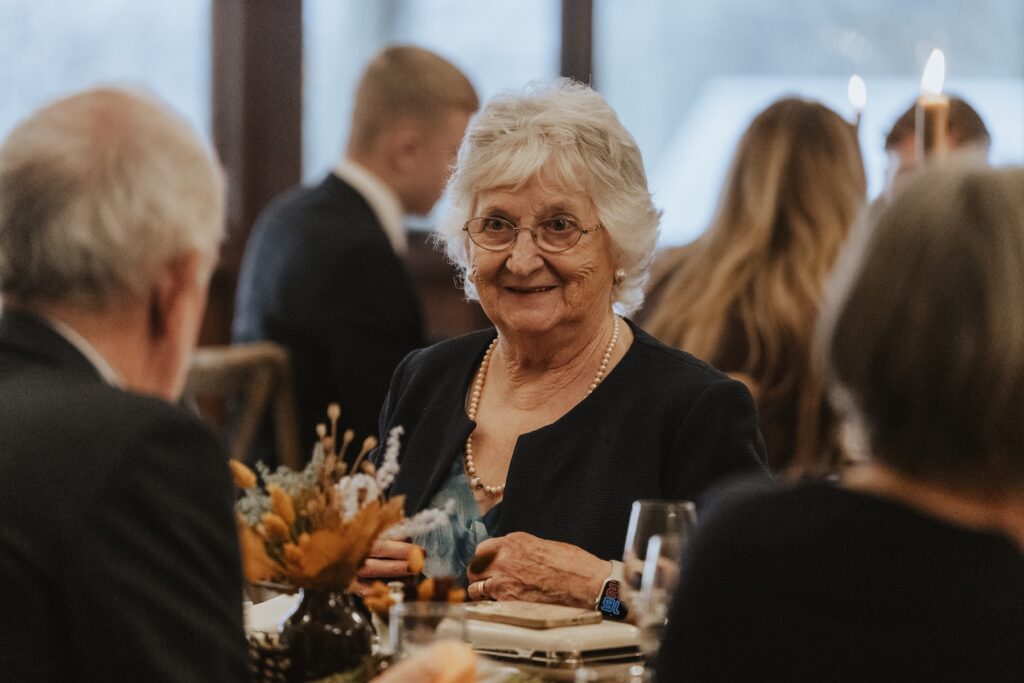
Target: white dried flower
<point>290,481</point>
<point>422,522</point>
<point>389,466</point>
<point>354,491</point>
<point>253,504</point>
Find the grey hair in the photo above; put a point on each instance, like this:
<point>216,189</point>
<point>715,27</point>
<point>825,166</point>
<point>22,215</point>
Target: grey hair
<point>568,130</point>
<point>98,191</point>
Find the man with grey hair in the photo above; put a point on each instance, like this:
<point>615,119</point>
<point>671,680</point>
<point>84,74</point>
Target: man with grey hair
<point>118,552</point>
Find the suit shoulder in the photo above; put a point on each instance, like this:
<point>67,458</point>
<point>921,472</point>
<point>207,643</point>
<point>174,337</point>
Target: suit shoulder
<point>93,412</point>
<point>326,206</point>
<point>748,507</point>
<point>73,439</point>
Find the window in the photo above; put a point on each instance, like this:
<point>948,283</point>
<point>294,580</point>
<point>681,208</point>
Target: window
<point>498,45</point>
<point>687,77</point>
<point>50,49</point>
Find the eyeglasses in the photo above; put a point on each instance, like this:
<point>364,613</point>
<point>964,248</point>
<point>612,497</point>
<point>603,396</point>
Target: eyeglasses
<point>552,235</point>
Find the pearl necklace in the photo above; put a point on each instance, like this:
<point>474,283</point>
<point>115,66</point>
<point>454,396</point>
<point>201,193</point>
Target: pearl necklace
<point>475,484</point>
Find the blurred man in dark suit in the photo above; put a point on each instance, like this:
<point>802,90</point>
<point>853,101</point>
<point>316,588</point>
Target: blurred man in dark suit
<point>118,552</point>
<point>323,273</point>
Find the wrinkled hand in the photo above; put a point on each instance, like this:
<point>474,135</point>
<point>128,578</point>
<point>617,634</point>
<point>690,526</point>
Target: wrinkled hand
<point>387,560</point>
<point>525,567</point>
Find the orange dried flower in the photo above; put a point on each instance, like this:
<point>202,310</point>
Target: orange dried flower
<point>243,476</point>
<point>256,563</point>
<point>281,503</point>
<point>369,443</point>
<point>292,553</point>
<point>305,530</point>
<point>346,439</point>
<point>416,559</point>
<point>425,591</point>
<point>379,606</point>
<point>331,556</point>
<point>276,528</point>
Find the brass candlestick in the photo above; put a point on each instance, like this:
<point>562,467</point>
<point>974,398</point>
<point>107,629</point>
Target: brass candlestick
<point>931,122</point>
<point>931,127</point>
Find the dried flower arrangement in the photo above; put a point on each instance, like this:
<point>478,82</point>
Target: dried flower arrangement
<point>315,528</point>
<point>380,598</point>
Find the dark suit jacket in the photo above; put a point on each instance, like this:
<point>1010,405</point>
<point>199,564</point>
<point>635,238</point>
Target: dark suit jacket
<point>118,552</point>
<point>661,425</point>
<point>320,277</point>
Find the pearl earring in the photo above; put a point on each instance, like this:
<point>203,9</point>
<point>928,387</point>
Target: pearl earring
<point>619,278</point>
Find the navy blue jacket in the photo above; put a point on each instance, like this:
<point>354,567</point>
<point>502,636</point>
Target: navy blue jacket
<point>320,277</point>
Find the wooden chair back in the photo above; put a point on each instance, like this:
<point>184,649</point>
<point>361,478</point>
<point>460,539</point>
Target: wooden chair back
<point>260,374</point>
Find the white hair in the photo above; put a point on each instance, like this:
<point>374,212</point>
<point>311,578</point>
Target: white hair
<point>567,130</point>
<point>98,191</point>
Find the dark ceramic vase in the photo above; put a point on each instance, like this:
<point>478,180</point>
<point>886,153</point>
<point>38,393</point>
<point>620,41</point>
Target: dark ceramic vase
<point>326,634</point>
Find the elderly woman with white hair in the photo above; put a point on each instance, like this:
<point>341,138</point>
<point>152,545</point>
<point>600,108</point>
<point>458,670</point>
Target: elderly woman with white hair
<point>541,432</point>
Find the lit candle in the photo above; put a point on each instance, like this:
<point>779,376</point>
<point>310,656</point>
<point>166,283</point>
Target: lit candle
<point>857,91</point>
<point>932,115</point>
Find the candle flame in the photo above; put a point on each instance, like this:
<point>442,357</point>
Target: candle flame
<point>934,73</point>
<point>857,91</point>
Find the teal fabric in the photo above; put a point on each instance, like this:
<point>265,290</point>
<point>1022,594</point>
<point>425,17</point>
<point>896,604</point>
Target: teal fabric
<point>450,548</point>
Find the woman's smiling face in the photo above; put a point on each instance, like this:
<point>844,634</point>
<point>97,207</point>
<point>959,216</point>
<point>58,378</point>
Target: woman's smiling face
<point>525,290</point>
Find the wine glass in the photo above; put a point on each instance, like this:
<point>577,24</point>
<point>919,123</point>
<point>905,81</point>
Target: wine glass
<point>415,625</point>
<point>659,578</point>
<point>648,518</point>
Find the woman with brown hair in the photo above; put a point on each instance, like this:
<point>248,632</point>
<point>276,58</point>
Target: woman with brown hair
<point>746,294</point>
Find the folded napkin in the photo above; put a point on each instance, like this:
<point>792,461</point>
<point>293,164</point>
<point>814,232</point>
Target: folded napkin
<point>267,616</point>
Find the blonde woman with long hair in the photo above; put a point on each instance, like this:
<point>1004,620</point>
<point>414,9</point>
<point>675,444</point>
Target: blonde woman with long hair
<point>746,294</point>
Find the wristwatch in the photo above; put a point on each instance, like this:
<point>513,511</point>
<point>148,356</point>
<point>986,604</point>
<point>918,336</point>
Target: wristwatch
<point>609,600</point>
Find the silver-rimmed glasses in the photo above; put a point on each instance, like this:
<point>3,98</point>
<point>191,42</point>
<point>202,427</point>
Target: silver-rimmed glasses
<point>551,235</point>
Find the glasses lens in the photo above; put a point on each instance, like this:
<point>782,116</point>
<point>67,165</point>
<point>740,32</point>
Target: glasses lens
<point>491,232</point>
<point>558,234</point>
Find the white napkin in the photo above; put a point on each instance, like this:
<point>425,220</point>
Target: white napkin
<point>267,616</point>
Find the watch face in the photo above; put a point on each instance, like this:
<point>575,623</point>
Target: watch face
<point>610,603</point>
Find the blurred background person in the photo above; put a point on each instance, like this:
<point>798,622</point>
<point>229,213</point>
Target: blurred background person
<point>323,273</point>
<point>745,295</point>
<point>118,552</point>
<point>913,568</point>
<point>543,430</point>
<point>967,135</point>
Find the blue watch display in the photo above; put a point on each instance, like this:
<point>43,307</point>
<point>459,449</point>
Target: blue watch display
<point>610,603</point>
